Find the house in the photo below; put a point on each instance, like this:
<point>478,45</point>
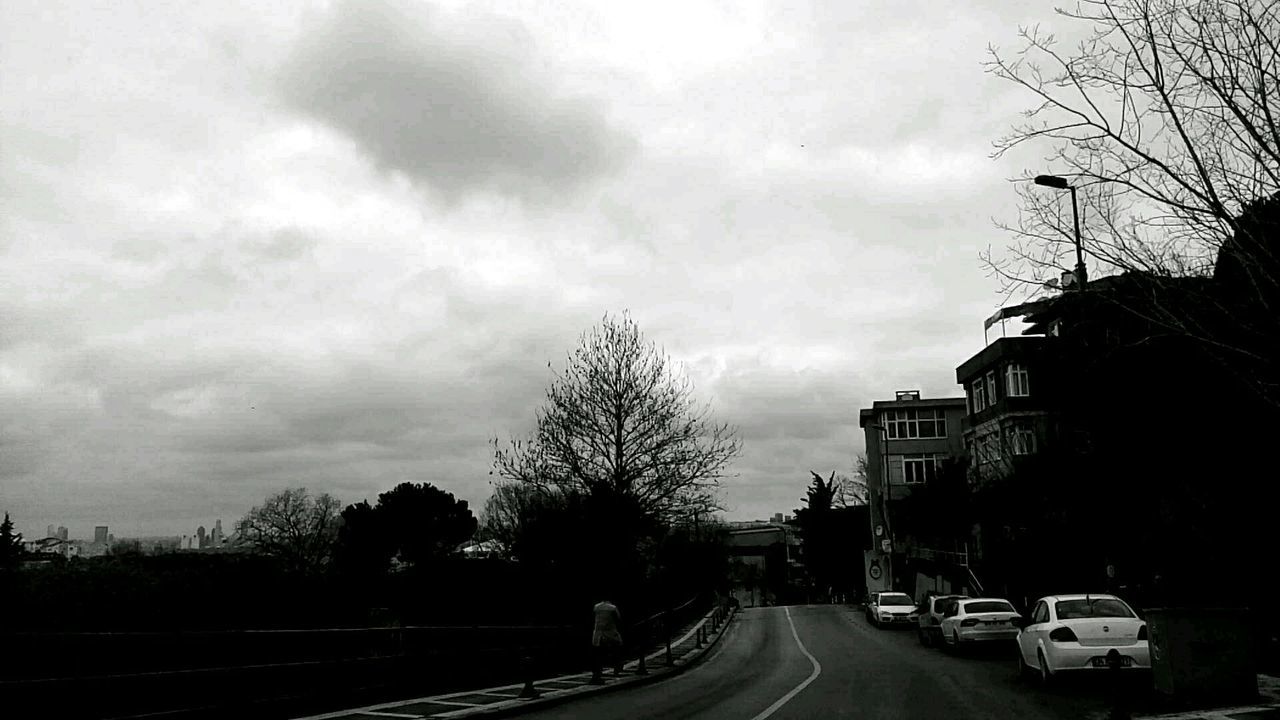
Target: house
<point>1011,394</point>
<point>908,441</point>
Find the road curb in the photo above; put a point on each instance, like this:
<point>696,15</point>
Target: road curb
<point>516,707</point>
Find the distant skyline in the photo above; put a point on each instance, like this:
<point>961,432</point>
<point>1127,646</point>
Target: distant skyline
<point>336,244</point>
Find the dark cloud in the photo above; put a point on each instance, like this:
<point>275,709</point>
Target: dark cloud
<point>456,100</point>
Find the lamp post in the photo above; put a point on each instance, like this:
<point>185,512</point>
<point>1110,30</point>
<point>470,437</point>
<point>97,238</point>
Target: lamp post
<point>884,502</point>
<point>1060,183</point>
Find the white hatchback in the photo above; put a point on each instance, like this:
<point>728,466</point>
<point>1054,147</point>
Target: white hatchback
<point>1068,633</point>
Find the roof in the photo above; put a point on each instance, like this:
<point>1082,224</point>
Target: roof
<point>866,415</point>
<point>1013,311</point>
<point>1079,596</point>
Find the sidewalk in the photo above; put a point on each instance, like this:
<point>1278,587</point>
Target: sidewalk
<point>506,700</point>
<point>1266,708</point>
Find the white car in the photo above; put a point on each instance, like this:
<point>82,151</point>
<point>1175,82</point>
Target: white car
<point>977,620</point>
<point>891,608</point>
<point>1068,633</point>
<point>929,617</point>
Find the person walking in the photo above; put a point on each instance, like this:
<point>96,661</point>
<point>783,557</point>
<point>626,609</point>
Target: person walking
<point>606,640</point>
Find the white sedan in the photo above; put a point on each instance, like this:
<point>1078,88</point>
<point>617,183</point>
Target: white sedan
<point>1068,633</point>
<point>975,620</point>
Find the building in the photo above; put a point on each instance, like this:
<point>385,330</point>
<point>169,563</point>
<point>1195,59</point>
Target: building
<point>908,439</point>
<point>202,538</point>
<point>100,535</point>
<point>765,556</point>
<point>1011,394</point>
<point>216,538</point>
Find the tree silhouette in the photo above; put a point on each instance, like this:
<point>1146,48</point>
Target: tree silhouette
<point>294,527</point>
<point>422,523</point>
<point>620,422</point>
<point>1167,120</point>
<point>10,545</point>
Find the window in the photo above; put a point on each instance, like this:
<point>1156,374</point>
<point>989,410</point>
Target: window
<point>1100,607</point>
<point>991,387</point>
<point>1017,380</point>
<point>979,395</point>
<point>916,424</point>
<point>988,448</point>
<point>1041,613</point>
<point>920,468</point>
<point>1020,440</point>
<point>988,606</point>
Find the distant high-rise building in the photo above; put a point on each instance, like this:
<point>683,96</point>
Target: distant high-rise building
<point>203,537</point>
<point>51,532</point>
<point>62,532</point>
<point>217,533</point>
<point>100,534</point>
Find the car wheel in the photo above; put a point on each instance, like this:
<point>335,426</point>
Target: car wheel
<point>1046,675</point>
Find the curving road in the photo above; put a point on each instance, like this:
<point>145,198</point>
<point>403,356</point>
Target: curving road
<point>834,665</point>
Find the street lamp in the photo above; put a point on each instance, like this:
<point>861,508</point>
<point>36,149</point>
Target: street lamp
<point>1060,183</point>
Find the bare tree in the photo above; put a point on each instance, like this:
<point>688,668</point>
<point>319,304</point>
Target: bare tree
<point>851,491</point>
<point>293,526</point>
<point>1165,119</point>
<point>620,420</point>
<point>511,510</point>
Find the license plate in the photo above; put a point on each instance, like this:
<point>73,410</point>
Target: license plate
<point>1102,662</point>
<point>992,622</point>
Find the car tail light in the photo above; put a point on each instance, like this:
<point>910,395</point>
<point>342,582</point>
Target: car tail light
<point>968,623</point>
<point>1142,633</point>
<point>1063,634</point>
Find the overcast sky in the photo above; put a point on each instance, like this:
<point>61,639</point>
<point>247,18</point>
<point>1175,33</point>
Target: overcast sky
<point>247,246</point>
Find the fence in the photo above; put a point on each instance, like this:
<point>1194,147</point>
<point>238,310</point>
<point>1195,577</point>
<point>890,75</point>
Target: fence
<point>274,672</point>
<point>187,674</point>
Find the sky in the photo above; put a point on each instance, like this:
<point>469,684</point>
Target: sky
<point>248,246</point>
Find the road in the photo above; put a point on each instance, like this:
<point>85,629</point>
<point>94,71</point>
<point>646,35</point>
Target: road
<point>845,669</point>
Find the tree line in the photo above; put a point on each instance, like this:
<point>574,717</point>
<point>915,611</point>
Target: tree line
<point>614,494</point>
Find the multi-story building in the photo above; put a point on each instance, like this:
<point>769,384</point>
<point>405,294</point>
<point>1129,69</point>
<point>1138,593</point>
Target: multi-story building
<point>1010,394</point>
<point>100,535</point>
<point>908,440</point>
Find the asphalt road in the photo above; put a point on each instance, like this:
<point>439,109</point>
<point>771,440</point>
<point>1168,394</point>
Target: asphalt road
<point>846,669</point>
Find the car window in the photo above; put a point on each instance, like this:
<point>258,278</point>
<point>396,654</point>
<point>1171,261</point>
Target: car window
<point>946,604</point>
<point>1041,614</point>
<point>1091,608</point>
<point>988,606</point>
<point>953,609</point>
<point>896,599</point>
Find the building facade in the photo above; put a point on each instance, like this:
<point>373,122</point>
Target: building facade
<point>908,440</point>
<point>1011,396</point>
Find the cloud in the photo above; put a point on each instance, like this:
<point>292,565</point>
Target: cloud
<point>458,100</point>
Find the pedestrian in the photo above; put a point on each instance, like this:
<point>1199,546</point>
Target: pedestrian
<point>606,640</point>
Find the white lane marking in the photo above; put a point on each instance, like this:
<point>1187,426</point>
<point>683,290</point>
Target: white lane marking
<point>817,670</point>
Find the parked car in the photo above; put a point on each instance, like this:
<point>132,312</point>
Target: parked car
<point>890,608</point>
<point>976,620</point>
<point>929,617</point>
<point>1069,633</point>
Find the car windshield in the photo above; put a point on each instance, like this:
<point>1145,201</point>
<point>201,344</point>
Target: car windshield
<point>895,599</point>
<point>1091,608</point>
<point>988,606</point>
